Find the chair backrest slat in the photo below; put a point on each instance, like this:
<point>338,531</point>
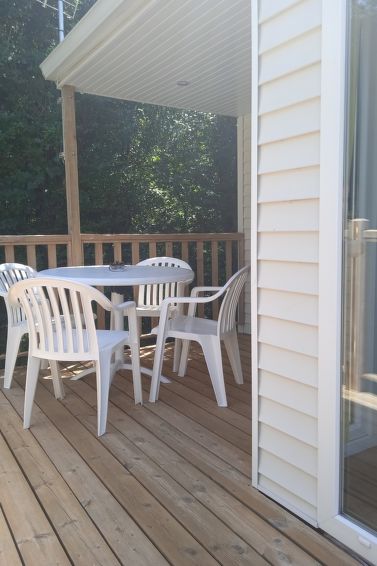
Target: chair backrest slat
<point>66,314</point>
<point>55,314</point>
<point>78,317</point>
<point>228,309</point>
<point>43,311</point>
<point>153,295</point>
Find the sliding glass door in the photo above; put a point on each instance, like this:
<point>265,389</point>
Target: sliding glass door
<point>358,467</point>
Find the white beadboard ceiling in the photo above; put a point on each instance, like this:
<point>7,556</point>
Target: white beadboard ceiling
<point>139,49</point>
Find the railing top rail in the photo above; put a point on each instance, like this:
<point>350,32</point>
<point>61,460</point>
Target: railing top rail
<point>87,238</point>
<point>236,236</point>
<point>35,239</point>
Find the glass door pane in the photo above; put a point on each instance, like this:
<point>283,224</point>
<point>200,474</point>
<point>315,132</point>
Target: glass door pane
<point>359,387</point>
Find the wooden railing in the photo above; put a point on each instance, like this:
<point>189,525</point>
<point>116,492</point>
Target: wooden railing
<point>202,251</point>
<point>213,257</point>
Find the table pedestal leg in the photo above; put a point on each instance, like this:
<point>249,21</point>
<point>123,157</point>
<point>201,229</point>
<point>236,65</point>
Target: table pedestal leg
<point>119,363</point>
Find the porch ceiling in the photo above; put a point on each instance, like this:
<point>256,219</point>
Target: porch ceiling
<point>139,49</point>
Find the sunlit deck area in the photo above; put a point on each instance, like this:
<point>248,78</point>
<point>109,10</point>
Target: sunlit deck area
<point>168,484</point>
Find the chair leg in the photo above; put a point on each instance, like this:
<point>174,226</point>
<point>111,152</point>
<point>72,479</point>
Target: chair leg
<point>136,375</point>
<point>157,367</point>
<point>57,381</point>
<point>177,354</point>
<point>184,357</point>
<point>232,349</point>
<point>212,353</point>
<point>32,373</point>
<point>13,345</point>
<point>139,320</point>
<point>103,376</point>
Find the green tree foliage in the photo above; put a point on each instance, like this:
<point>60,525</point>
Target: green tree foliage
<point>142,168</point>
<point>31,187</point>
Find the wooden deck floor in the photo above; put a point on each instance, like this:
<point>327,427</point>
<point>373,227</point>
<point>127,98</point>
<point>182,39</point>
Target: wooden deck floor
<point>168,484</point>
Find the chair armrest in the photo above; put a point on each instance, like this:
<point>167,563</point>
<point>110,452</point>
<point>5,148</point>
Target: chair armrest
<point>196,290</point>
<point>191,301</point>
<point>125,306</point>
<point>129,308</point>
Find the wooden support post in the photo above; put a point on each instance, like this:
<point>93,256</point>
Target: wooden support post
<point>71,171</point>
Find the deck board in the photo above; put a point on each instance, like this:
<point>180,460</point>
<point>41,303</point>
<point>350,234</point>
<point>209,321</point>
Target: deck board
<point>8,548</point>
<point>168,484</point>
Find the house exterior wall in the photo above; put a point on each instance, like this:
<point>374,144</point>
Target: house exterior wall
<point>285,237</point>
<point>244,203</point>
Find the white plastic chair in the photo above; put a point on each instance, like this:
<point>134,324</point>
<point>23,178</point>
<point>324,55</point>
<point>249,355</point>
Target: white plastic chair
<point>150,297</point>
<point>62,328</point>
<point>208,333</point>
<point>11,273</point>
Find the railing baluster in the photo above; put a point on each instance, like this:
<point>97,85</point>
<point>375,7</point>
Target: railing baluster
<point>69,253</point>
<point>135,259</point>
<point>98,254</point>
<point>135,252</point>
<point>169,249</point>
<point>117,251</point>
<point>215,274</point>
<point>228,259</point>
<point>31,256</point>
<point>152,249</point>
<point>200,271</point>
<point>241,263</point>
<point>51,255</point>
<point>9,254</point>
<point>185,252</point>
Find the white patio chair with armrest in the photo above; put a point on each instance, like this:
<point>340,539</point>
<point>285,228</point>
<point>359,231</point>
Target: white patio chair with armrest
<point>208,333</point>
<point>150,297</point>
<point>11,273</point>
<point>62,328</point>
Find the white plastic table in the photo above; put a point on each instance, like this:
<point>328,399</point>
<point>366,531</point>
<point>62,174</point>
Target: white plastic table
<point>102,276</point>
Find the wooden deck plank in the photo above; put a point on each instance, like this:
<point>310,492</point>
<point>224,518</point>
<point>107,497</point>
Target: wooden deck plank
<point>122,534</point>
<point>82,540</point>
<point>8,550</point>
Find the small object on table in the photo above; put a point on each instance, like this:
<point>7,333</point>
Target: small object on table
<point>117,266</point>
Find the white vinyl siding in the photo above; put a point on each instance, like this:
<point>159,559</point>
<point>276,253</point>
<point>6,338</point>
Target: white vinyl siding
<point>288,140</point>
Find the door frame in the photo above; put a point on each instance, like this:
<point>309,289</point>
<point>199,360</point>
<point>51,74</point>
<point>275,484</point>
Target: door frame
<point>333,102</point>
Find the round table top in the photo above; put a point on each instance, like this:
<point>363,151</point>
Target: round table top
<point>101,275</point>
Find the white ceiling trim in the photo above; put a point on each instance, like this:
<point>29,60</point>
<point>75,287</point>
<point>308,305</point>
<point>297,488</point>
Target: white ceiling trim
<point>139,49</point>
